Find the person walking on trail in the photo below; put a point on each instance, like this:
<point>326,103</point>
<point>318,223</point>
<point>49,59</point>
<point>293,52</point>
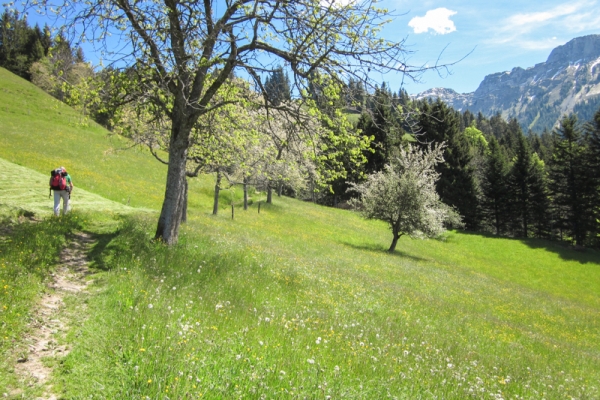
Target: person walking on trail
<point>62,185</point>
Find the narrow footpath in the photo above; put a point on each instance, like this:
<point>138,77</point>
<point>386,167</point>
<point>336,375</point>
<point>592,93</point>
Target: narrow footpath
<point>48,324</point>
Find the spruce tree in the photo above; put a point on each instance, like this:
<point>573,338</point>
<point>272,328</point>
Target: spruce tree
<point>592,159</point>
<point>456,187</point>
<point>495,187</point>
<point>520,186</point>
<point>539,198</point>
<point>277,87</point>
<point>569,183</point>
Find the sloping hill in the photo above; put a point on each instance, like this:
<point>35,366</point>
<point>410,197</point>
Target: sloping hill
<point>303,301</point>
<point>42,133</point>
<point>30,192</point>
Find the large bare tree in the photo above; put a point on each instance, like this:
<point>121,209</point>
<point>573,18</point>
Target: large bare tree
<point>190,48</point>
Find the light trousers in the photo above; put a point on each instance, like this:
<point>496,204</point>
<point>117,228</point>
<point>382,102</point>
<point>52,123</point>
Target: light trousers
<point>58,194</point>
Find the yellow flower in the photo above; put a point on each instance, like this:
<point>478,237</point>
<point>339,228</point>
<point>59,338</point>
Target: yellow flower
<point>149,380</point>
<point>142,349</point>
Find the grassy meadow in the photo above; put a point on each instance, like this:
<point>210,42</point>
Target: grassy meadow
<point>299,301</point>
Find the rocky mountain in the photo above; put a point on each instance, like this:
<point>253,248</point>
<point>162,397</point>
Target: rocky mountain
<point>569,81</point>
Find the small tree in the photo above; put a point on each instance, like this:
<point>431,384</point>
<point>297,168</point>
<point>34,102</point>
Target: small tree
<point>403,195</point>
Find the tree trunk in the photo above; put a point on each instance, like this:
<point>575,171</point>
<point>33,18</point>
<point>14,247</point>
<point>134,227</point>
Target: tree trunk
<point>217,188</point>
<point>185,203</point>
<point>394,242</point>
<point>279,188</point>
<point>245,193</point>
<point>269,194</point>
<point>170,214</point>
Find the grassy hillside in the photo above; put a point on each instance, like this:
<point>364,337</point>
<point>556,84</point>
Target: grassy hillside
<point>302,301</point>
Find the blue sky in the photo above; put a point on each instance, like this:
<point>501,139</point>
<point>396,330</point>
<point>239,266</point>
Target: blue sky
<point>500,35</point>
<point>491,36</point>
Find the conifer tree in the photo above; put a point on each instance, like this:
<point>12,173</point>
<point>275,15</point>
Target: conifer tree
<point>456,186</point>
<point>520,186</point>
<point>495,187</point>
<point>277,87</point>
<point>569,181</point>
<point>539,198</point>
<point>592,160</point>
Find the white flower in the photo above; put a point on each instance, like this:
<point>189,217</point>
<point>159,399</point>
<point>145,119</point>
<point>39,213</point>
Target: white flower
<point>336,368</point>
<point>150,306</point>
<point>238,356</point>
<point>260,342</point>
<point>282,372</point>
<point>318,341</point>
<point>174,288</point>
<point>450,365</point>
<point>310,361</point>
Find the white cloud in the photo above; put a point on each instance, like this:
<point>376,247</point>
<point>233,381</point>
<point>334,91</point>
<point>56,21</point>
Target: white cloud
<point>529,21</point>
<point>437,20</point>
<point>522,28</point>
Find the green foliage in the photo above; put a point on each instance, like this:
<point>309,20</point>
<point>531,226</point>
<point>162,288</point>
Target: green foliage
<point>20,45</point>
<point>475,137</point>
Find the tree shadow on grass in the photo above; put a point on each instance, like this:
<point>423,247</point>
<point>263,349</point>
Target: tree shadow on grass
<point>376,248</point>
<point>98,254</point>
<point>564,250</point>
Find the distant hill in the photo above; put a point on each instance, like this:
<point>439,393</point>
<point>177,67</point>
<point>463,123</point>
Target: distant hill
<point>569,81</point>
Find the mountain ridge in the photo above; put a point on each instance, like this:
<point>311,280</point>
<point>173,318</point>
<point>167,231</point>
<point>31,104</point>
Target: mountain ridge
<point>567,82</point>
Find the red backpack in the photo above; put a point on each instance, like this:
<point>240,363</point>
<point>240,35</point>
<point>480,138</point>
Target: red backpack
<point>58,179</point>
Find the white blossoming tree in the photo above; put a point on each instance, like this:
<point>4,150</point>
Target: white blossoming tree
<point>403,195</point>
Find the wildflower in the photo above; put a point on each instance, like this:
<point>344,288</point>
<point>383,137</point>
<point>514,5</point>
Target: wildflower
<point>150,306</point>
<point>149,380</point>
<point>450,365</point>
<point>318,341</point>
<point>142,349</point>
<point>310,361</point>
<point>174,288</point>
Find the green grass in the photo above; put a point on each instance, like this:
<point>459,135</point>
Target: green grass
<point>28,253</point>
<point>303,301</point>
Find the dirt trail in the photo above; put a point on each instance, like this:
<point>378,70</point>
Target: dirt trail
<point>47,324</point>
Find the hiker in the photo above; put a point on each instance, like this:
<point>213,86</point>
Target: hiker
<point>62,184</point>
